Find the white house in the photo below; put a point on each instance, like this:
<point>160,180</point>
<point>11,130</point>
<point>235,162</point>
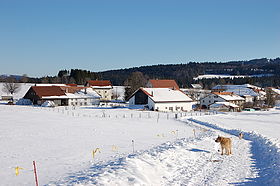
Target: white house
<point>221,97</point>
<point>103,87</point>
<point>62,96</point>
<point>161,99</point>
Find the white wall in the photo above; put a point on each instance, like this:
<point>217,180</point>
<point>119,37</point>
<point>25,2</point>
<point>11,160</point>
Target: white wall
<point>210,100</point>
<point>170,107</point>
<point>106,93</point>
<point>82,101</point>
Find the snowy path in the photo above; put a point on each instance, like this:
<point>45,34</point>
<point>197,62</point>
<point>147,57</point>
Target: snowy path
<point>191,161</point>
<point>264,152</point>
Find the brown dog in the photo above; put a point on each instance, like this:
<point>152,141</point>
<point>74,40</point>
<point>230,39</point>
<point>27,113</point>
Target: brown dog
<point>225,144</point>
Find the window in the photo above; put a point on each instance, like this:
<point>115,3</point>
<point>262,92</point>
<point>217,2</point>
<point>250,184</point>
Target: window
<point>171,108</point>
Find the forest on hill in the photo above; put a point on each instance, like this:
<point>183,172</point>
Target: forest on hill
<point>182,73</point>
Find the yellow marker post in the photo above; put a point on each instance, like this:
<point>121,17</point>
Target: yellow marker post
<point>17,170</point>
<point>95,151</point>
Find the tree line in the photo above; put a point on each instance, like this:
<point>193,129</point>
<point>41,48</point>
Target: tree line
<point>182,73</point>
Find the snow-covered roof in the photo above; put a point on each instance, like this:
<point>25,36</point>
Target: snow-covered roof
<point>228,96</point>
<point>236,86</point>
<point>166,95</point>
<point>89,93</point>
<point>231,97</point>
<point>102,87</point>
<point>240,90</point>
<point>58,85</point>
<point>228,104</point>
<point>84,93</point>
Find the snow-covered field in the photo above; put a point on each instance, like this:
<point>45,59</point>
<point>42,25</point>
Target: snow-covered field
<point>164,151</point>
<point>61,141</point>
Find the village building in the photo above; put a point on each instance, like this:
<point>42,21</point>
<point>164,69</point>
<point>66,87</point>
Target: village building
<point>161,99</point>
<point>222,97</point>
<point>162,83</point>
<point>249,92</point>
<point>103,87</point>
<point>224,107</point>
<point>62,96</point>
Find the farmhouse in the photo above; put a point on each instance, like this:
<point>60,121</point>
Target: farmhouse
<point>162,83</point>
<point>62,96</point>
<point>161,99</point>
<point>103,87</point>
<point>221,97</point>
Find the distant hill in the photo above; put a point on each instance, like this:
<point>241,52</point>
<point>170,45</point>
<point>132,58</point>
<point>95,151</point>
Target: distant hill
<point>262,72</point>
<point>184,73</point>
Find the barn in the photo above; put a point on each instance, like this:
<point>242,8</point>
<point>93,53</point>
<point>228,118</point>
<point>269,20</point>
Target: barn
<point>161,99</point>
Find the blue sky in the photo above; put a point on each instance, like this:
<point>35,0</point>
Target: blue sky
<point>41,37</point>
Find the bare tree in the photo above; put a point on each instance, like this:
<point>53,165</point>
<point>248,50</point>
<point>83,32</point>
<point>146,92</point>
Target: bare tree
<point>270,98</point>
<point>10,86</point>
<point>135,81</point>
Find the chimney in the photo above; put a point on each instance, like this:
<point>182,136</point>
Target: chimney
<point>85,90</point>
<point>152,93</point>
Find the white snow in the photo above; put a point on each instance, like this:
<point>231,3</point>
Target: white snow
<point>166,151</point>
<point>231,97</point>
<point>61,141</point>
<point>211,76</point>
<point>217,104</point>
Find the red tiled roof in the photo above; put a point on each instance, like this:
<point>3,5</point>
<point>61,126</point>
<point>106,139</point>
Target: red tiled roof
<point>222,93</point>
<point>164,83</point>
<point>71,89</point>
<point>72,85</point>
<point>99,83</point>
<point>48,91</point>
